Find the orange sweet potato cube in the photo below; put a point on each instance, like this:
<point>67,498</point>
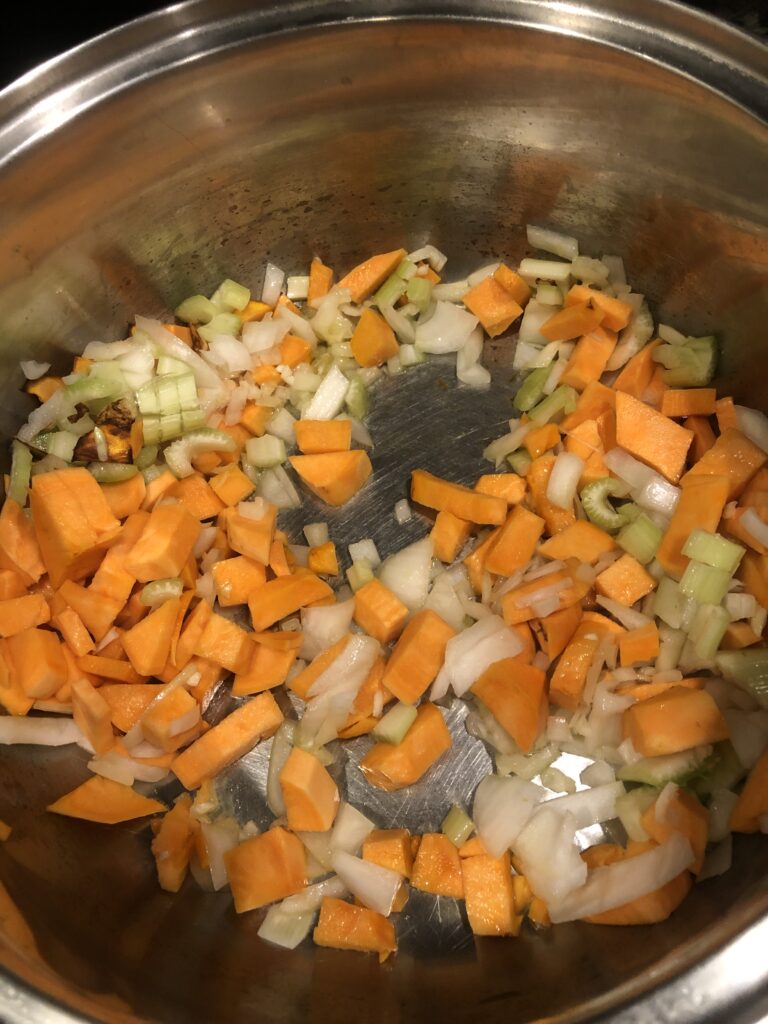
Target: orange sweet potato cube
<point>489,895</point>
<point>345,926</point>
<point>390,848</point>
<point>266,868</point>
<point>418,656</point>
<point>437,868</point>
<point>379,612</point>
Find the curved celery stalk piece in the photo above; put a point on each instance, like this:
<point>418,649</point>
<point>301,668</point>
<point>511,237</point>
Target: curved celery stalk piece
<point>594,499</point>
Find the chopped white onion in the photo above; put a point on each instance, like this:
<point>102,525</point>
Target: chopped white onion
<point>628,617</point>
<point>658,495</point>
<point>433,256</point>
<point>637,332</point>
<point>615,884</point>
<point>452,292</point>
<point>274,278</point>
<point>205,376</point>
<point>447,330</point>
<point>480,275</point>
<point>588,806</point>
<point>310,899</point>
<point>755,526</point>
<point>549,855</point>
<point>375,886</point>
<point>350,829</point>
<point>365,551</point>
<point>33,370</point>
<point>328,400</point>
<point>43,732</point>
<point>285,929</point>
<point>402,511</point>
<point>501,809</point>
<point>325,625</point>
<point>470,653</point>
<point>718,859</point>
<point>555,242</point>
<point>220,837</point>
<point>536,313</point>
<point>564,479</point>
<point>407,573</point>
<point>298,325</point>
<point>549,270</point>
<point>627,468</point>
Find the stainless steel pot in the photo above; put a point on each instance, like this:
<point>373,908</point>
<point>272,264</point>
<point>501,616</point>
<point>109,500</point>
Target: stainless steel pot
<point>192,144</point>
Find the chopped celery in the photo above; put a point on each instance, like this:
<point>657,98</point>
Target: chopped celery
<point>196,310</point>
<point>192,419</point>
<point>594,499</point>
<point>158,591</point>
<point>168,366</point>
<point>419,292</point>
<point>171,426</point>
<point>708,628</point>
<point>152,473</point>
<point>519,461</point>
<point>704,583</point>
<point>630,808</point>
<point>231,296</point>
<point>640,538</point>
<point>356,399</point>
<point>90,389</point>
<point>167,392</point>
<point>112,472</point>
<point>151,428</point>
<point>457,825</point>
<point>396,723</point>
<point>358,574</point>
<point>62,444</point>
<point>670,604</point>
<point>748,669</point>
<point>21,468</point>
<point>691,365</point>
<point>532,389</point>
<point>562,400</point>
<point>658,771</point>
<point>390,291</point>
<point>187,391</point>
<point>671,644</point>
<point>714,550</point>
<point>723,770</point>
<point>147,456</point>
<point>222,323</point>
<point>265,452</point>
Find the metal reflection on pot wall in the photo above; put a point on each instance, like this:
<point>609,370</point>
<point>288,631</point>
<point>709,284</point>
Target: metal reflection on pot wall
<point>177,171</point>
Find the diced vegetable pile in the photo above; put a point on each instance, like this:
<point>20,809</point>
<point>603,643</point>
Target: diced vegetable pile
<point>600,595</point>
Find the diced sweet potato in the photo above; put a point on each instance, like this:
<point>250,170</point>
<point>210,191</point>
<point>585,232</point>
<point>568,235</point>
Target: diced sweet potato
<point>225,643</point>
<point>366,277</point>
<point>73,522</point>
<point>334,477</point>
<point>345,926</point>
<point>581,540</point>
<point>148,644</point>
<point>392,767</point>
<point>284,596</point>
<point>373,340</point>
<point>172,845</point>
<point>515,543</point>
<point>19,613</point>
<point>489,896</point>
<point>437,868</point>
<point>228,741</point>
<point>165,544</point>
<point>625,581</point>
<point>472,506</point>
<point>266,868</point>
<point>390,848</point>
<point>269,668</point>
<point>38,662</point>
<point>418,656</point>
<point>379,612</point>
<point>236,578</point>
<point>514,694</point>
<point>683,814</point>
<point>677,720</point>
<point>310,794</point>
<point>104,801</point>
<point>93,715</point>
<point>167,722</point>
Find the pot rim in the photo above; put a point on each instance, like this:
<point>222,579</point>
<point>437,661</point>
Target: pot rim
<point>695,45</point>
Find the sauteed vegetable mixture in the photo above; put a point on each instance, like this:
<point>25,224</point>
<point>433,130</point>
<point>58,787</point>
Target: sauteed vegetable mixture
<point>600,590</point>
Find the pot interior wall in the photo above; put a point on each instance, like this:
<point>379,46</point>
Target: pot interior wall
<point>339,143</point>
